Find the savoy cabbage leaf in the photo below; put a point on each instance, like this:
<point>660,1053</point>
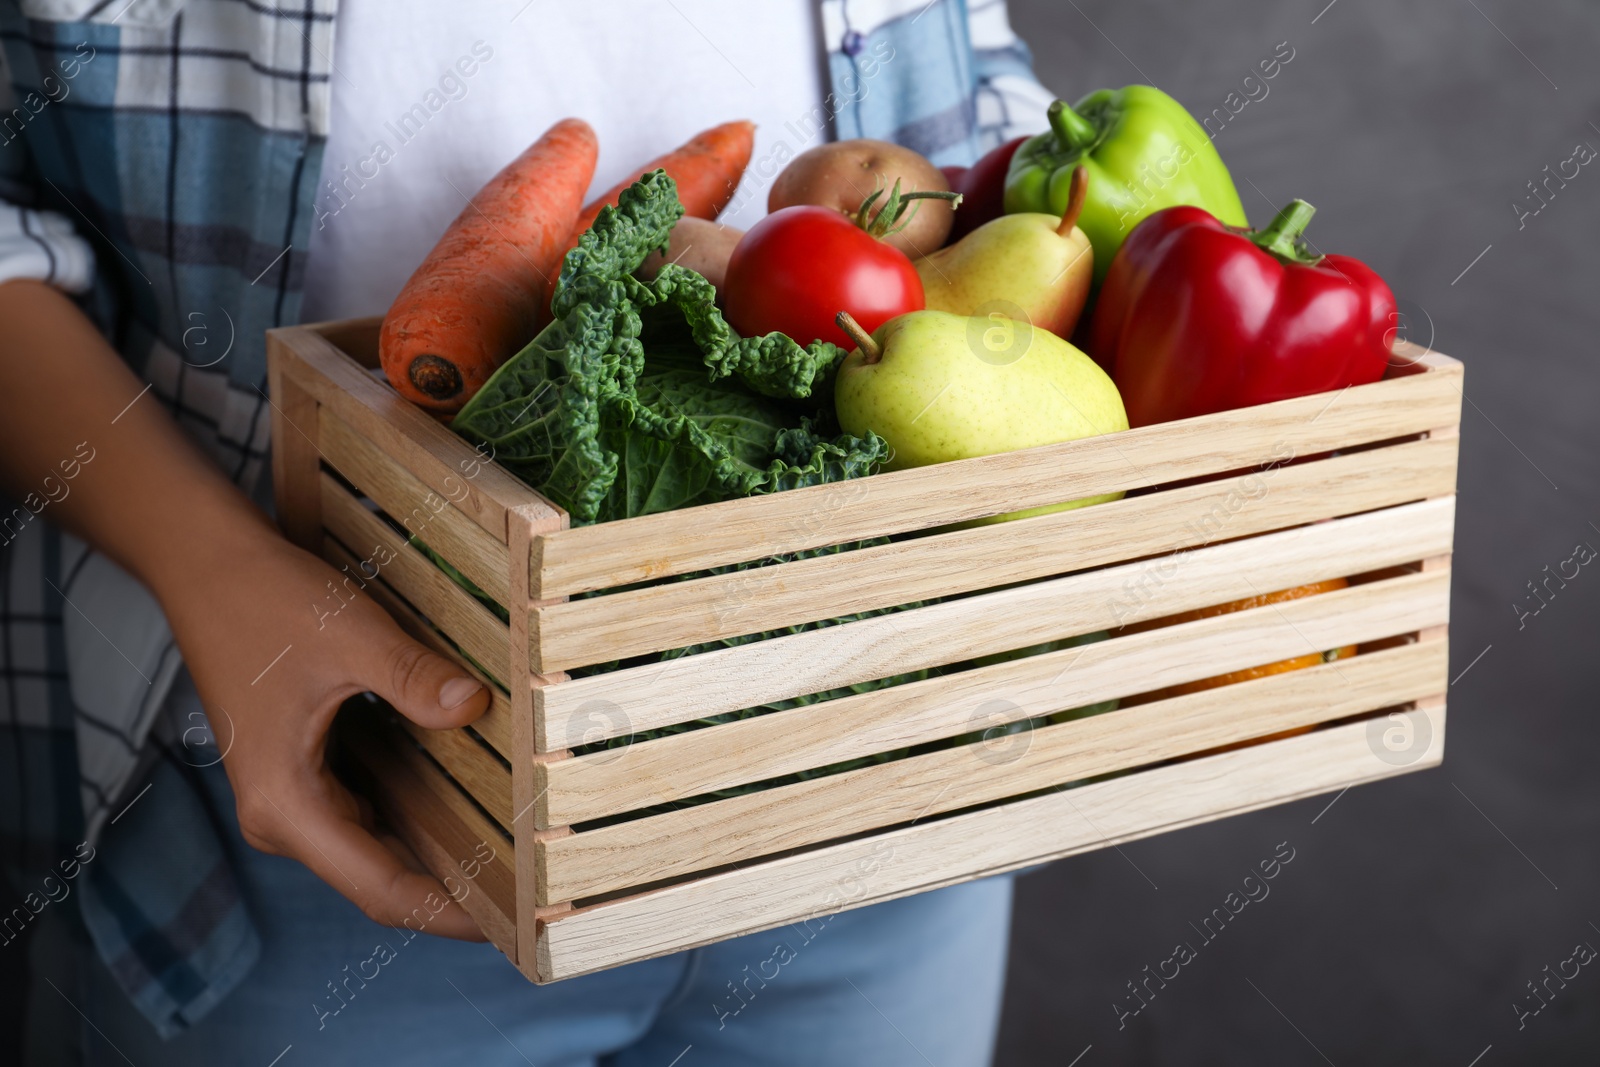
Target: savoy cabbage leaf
<point>593,418</point>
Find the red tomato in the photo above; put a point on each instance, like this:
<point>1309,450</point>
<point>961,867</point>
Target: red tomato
<point>796,269</point>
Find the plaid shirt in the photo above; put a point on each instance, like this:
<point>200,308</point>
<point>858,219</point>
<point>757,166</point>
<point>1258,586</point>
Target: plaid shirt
<point>161,158</point>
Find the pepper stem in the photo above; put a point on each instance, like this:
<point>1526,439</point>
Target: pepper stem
<point>1072,130</point>
<point>1075,197</point>
<point>1284,238</point>
<point>869,348</point>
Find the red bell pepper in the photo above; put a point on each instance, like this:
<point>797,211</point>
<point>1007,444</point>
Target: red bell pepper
<point>1197,317</point>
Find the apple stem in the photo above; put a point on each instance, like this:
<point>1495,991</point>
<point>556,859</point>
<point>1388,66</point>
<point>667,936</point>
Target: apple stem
<point>1075,198</point>
<point>869,348</point>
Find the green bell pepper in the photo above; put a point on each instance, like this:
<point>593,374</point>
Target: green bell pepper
<point>1144,152</point>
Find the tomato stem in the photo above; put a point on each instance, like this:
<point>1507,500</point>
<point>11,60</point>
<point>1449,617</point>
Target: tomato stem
<point>1075,198</point>
<point>891,217</point>
<point>870,349</point>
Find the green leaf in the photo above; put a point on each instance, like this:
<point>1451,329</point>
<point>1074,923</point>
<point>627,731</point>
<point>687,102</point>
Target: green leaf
<point>609,428</point>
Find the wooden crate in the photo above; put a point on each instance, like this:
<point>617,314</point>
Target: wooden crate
<point>1215,513</point>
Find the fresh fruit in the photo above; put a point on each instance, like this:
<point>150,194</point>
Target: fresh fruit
<point>1197,317</point>
<point>841,174</point>
<point>1295,663</point>
<point>941,387</point>
<point>1144,153</point>
<point>983,189</point>
<point>796,269</point>
<point>1029,266</point>
<point>698,244</point>
<point>606,433</point>
<point>475,299</point>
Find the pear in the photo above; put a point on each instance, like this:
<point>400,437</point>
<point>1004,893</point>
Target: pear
<point>942,387</point>
<point>1029,266</point>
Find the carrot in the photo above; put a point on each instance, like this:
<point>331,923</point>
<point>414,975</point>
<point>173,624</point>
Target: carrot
<point>707,170</point>
<point>474,301</point>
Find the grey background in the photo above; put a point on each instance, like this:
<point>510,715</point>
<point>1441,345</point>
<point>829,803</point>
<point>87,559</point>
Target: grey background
<point>1408,923</point>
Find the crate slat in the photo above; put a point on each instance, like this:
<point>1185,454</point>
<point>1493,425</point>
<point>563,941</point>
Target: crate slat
<point>484,778</point>
<point>678,614</point>
<point>408,435</point>
<point>671,768</point>
<point>294,450</point>
<point>356,338</point>
<point>424,513</point>
<point>815,661</point>
<point>494,726</point>
<point>930,855</point>
<point>678,542</point>
<point>461,618</point>
<point>745,827</point>
<point>440,825</point>
<point>520,528</point>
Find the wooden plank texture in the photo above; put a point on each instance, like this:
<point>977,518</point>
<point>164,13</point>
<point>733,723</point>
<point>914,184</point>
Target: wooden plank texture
<point>815,661</point>
<point>520,527</point>
<point>820,735</point>
<point>295,454</point>
<point>941,852</point>
<point>449,607</point>
<point>679,542</point>
<point>443,829</point>
<point>745,827</point>
<point>404,432</point>
<point>425,514</point>
<point>471,764</point>
<point>356,338</point>
<point>494,726</point>
<point>678,614</point>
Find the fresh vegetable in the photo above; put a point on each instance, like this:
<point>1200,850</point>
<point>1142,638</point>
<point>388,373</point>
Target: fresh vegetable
<point>940,387</point>
<point>1197,317</point>
<point>699,245</point>
<point>800,266</point>
<point>474,300</point>
<point>839,175</point>
<point>640,398</point>
<point>1295,663</point>
<point>1031,267</point>
<point>707,169</point>
<point>1144,153</point>
<point>983,189</point>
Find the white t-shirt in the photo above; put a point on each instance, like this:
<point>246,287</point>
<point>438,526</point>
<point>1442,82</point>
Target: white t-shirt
<point>430,101</point>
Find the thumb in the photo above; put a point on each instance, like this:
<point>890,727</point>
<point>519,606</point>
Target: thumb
<point>426,688</point>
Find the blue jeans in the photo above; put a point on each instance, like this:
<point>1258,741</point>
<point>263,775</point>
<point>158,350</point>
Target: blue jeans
<point>913,981</point>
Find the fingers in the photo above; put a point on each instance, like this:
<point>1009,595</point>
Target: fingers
<point>426,688</point>
<point>323,835</point>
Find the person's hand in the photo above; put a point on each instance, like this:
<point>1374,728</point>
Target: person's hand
<point>253,628</point>
<point>239,597</point>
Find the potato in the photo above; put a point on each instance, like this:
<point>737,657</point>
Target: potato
<point>700,245</point>
<point>842,174</point>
